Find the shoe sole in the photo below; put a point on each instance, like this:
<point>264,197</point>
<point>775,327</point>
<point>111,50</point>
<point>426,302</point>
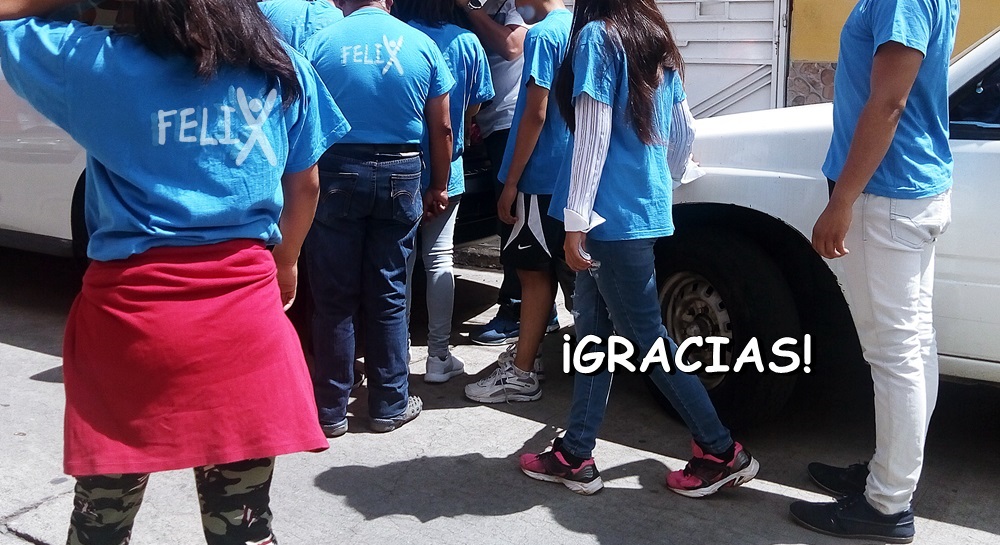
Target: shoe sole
<point>387,426</point>
<point>874,537</point>
<point>736,479</point>
<point>438,378</point>
<point>584,489</point>
<point>506,399</point>
<point>332,432</point>
<point>501,342</point>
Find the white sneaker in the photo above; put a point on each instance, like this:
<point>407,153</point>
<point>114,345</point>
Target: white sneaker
<point>507,358</point>
<point>505,385</point>
<point>441,369</point>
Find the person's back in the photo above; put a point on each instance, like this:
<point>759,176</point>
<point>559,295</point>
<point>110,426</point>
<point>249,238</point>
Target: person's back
<point>198,150</point>
<point>297,20</point>
<point>466,58</point>
<point>381,71</point>
<point>232,131</point>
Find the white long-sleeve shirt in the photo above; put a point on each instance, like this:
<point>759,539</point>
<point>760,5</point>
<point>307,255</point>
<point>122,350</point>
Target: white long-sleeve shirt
<point>592,140</point>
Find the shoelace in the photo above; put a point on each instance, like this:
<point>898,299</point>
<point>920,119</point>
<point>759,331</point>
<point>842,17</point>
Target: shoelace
<point>508,355</point>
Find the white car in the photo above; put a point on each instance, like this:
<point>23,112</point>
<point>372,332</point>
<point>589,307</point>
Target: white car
<point>741,266</point>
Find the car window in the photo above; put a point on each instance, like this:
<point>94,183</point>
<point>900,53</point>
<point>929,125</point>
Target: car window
<point>975,108</point>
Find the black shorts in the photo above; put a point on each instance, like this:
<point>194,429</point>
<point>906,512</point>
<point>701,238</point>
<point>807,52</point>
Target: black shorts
<point>535,241</point>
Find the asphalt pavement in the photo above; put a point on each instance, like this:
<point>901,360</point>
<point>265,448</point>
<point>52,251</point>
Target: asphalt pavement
<point>451,476</point>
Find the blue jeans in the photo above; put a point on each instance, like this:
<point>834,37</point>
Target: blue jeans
<point>620,297</point>
<point>363,235</point>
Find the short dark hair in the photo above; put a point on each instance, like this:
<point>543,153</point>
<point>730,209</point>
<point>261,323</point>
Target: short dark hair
<point>216,33</point>
<point>432,12</point>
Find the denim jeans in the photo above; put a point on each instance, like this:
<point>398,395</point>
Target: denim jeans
<point>363,235</point>
<point>619,296</point>
<point>890,279</point>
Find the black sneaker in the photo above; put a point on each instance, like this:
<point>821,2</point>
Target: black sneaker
<point>854,517</point>
<point>840,481</point>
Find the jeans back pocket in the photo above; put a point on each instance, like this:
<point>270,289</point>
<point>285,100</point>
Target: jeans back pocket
<point>407,201</point>
<point>336,193</point>
<point>916,223</point>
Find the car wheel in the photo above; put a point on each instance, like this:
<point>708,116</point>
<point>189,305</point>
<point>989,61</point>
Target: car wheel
<point>720,284</point>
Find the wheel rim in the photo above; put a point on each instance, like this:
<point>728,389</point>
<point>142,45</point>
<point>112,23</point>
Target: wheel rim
<point>692,307</point>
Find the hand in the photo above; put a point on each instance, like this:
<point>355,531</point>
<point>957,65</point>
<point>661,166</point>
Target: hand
<point>288,281</point>
<point>831,229</point>
<point>506,204</point>
<point>462,4</point>
<point>435,202</point>
<point>574,248</point>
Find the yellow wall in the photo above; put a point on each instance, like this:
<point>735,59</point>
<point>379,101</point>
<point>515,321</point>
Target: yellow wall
<point>816,26</point>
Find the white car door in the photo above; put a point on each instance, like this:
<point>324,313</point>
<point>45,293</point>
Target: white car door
<point>39,167</point>
<point>967,288</point>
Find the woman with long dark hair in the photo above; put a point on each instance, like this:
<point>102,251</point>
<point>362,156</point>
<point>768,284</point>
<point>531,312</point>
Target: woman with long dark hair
<point>202,133</point>
<point>621,94</point>
<point>466,58</point>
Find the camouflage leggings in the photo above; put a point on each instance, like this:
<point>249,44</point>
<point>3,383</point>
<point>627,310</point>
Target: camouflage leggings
<point>234,505</point>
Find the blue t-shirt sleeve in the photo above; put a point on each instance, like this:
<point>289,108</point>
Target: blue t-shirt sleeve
<point>541,61</point>
<point>442,82</point>
<point>482,84</point>
<point>678,87</point>
<point>907,22</point>
<point>34,55</point>
<point>596,65</point>
<point>315,121</point>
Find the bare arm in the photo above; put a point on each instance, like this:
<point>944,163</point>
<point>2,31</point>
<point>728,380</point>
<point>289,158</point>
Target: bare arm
<point>504,40</point>
<point>532,121</point>
<point>16,9</point>
<point>894,70</point>
<point>441,139</point>
<point>301,194</point>
<point>470,114</point>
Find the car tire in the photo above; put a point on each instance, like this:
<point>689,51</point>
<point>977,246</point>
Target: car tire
<point>719,283</point>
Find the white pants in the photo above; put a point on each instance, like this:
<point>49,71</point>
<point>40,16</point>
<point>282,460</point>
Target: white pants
<point>890,276</point>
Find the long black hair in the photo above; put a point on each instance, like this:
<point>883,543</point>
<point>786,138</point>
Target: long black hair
<point>435,13</point>
<point>217,33</point>
<point>638,28</point>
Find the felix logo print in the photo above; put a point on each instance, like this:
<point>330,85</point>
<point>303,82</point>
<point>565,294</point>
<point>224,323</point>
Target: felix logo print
<point>255,114</point>
<point>385,54</point>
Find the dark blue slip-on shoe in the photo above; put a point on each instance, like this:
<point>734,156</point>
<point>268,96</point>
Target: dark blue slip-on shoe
<point>853,517</point>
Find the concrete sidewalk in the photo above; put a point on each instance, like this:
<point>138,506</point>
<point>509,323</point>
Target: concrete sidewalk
<point>451,476</point>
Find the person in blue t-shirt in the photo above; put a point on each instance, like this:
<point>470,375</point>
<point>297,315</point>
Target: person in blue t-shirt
<point>392,84</point>
<point>537,144</point>
<point>297,20</point>
<point>177,351</point>
<point>890,172</point>
<point>620,92</point>
<point>467,60</point>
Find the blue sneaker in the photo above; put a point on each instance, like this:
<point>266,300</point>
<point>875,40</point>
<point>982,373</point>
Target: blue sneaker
<point>503,329</point>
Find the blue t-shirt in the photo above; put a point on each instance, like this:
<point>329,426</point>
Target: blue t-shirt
<point>297,20</point>
<point>381,72</point>
<point>466,59</point>
<point>172,159</point>
<point>919,162</point>
<point>545,47</point>
<point>635,193</point>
